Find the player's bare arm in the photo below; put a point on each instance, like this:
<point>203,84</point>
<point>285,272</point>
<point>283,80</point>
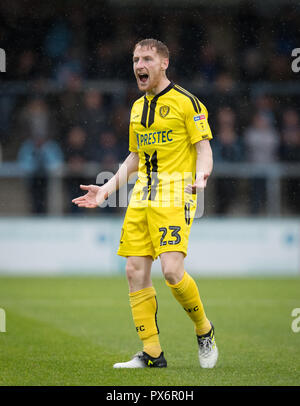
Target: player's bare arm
<point>204,166</point>
<point>96,195</point>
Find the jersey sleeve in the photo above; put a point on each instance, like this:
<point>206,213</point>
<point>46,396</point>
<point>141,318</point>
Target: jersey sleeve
<point>132,137</point>
<point>132,140</point>
<point>197,122</point>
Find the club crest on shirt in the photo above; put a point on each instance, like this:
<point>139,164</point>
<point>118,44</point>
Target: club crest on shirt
<point>164,111</point>
<point>200,122</point>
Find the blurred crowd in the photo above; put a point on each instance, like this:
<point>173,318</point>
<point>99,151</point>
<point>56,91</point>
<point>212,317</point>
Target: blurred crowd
<point>80,124</point>
<point>76,128</point>
<point>94,40</point>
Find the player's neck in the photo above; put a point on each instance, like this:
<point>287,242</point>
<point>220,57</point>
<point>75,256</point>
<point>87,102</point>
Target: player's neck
<point>159,88</point>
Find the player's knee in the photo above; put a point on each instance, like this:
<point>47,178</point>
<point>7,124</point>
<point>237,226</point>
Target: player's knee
<point>130,271</point>
<point>172,267</point>
<point>133,270</point>
<point>172,273</point>
<point>172,277</point>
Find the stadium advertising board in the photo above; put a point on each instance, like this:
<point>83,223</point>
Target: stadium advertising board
<point>88,246</point>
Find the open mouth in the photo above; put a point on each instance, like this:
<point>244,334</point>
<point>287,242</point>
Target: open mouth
<point>143,77</point>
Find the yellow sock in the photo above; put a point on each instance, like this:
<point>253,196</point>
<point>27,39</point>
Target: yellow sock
<point>187,294</point>
<point>144,309</point>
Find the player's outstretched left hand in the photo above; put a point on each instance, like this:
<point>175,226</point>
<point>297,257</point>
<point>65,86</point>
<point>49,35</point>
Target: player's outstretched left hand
<point>94,197</point>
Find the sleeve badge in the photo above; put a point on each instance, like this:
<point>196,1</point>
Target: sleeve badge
<point>200,122</point>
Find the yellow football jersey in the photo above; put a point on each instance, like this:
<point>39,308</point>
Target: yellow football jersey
<point>163,129</point>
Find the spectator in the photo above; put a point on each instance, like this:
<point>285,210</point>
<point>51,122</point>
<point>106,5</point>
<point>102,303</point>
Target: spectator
<point>261,142</point>
<point>75,150</point>
<point>71,64</point>
<point>76,156</point>
<point>119,121</point>
<point>57,42</point>
<point>290,150</point>
<point>253,65</point>
<point>27,66</point>
<point>36,120</point>
<point>210,64</point>
<point>106,151</point>
<point>70,102</point>
<point>103,65</point>
<point>226,148</point>
<point>92,117</point>
<point>264,104</point>
<point>225,91</point>
<point>39,155</point>
<point>107,154</point>
<point>7,108</point>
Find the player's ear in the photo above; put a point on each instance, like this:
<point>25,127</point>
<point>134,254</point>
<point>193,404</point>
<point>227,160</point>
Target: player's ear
<point>164,64</point>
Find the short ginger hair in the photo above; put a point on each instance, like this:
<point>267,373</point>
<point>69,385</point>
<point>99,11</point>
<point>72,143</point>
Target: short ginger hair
<point>161,48</point>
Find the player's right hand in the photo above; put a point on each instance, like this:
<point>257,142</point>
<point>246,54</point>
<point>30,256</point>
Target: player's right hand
<point>94,197</point>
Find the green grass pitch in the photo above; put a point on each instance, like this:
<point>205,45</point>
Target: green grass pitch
<point>70,331</point>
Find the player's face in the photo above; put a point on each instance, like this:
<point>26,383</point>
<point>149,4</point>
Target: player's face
<point>149,67</point>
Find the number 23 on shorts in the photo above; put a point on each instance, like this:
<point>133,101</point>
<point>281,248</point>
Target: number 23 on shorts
<point>166,234</point>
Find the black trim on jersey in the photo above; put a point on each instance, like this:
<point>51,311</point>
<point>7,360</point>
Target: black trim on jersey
<point>148,166</point>
<point>153,106</point>
<point>152,179</point>
<point>152,112</point>
<point>166,90</point>
<point>145,112</point>
<point>198,104</point>
<point>193,99</point>
<point>187,214</point>
<point>154,161</point>
<point>155,182</point>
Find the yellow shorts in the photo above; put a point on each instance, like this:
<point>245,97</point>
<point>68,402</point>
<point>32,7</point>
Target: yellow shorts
<point>153,230</point>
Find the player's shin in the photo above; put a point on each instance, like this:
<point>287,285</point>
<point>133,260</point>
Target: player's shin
<point>144,310</point>
<point>187,294</point>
